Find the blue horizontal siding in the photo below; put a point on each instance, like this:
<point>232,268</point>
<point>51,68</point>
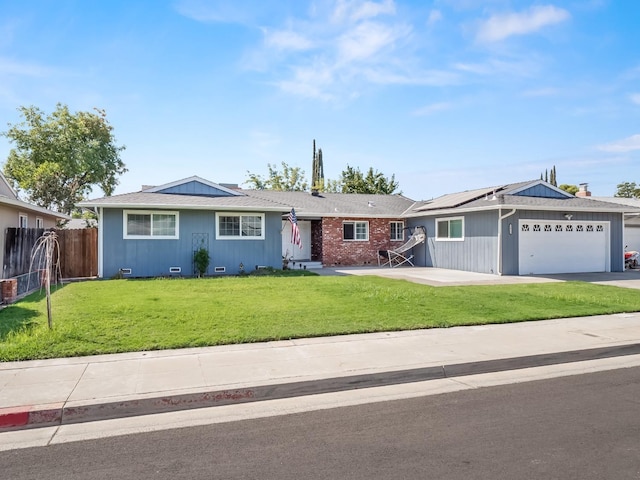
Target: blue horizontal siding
<point>151,258</point>
<point>195,188</point>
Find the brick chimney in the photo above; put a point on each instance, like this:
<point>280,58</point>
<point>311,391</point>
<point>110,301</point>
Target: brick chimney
<point>583,190</point>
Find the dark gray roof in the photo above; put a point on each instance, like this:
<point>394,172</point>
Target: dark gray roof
<point>502,197</point>
<point>305,204</point>
<point>190,202</point>
<point>337,204</point>
<point>310,206</point>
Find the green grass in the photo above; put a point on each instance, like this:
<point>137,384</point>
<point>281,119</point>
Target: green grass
<point>129,315</point>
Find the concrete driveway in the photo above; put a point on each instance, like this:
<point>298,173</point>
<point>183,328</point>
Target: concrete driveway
<point>440,277</point>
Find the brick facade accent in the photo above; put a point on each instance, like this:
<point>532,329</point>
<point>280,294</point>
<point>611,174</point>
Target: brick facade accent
<point>316,240</point>
<point>339,252</point>
<point>9,290</point>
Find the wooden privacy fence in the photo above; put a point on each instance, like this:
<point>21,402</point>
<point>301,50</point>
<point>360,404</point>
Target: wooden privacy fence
<point>78,251</point>
<point>18,243</point>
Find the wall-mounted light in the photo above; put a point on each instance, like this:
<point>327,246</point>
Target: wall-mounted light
<point>568,216</point>
<point>511,229</point>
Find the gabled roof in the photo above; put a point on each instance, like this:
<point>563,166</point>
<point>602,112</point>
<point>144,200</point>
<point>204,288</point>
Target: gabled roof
<point>530,195</point>
<point>172,196</point>
<point>213,190</point>
<point>359,205</point>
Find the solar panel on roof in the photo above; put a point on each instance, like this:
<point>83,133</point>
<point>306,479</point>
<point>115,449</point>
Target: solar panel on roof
<point>456,199</point>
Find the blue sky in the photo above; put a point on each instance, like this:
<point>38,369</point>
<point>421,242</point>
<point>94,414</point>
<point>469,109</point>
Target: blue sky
<point>448,95</point>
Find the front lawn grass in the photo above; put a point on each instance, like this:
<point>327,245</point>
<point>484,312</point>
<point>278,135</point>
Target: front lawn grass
<point>112,316</point>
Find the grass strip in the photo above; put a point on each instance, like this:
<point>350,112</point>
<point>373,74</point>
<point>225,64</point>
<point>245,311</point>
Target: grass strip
<point>111,316</point>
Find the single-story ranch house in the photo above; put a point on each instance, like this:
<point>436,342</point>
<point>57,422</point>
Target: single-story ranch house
<point>518,229</point>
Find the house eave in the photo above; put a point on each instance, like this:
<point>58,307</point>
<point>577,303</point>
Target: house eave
<point>169,206</point>
<point>32,208</point>
<point>568,208</point>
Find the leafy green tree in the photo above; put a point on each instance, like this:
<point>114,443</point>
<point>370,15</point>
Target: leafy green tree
<point>353,181</point>
<point>59,158</point>
<point>290,179</point>
<point>572,189</point>
<point>628,190</point>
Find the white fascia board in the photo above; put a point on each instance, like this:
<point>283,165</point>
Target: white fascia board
<point>173,206</point>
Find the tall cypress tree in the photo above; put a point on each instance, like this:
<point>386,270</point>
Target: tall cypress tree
<point>317,169</point>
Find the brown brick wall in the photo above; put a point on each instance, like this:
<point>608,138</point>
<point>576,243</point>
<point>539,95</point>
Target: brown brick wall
<point>336,251</point>
<point>316,240</point>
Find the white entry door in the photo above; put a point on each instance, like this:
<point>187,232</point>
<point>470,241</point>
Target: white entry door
<point>547,246</point>
<point>292,251</point>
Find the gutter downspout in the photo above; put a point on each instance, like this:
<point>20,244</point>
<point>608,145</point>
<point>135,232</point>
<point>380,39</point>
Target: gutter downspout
<point>100,241</point>
<point>500,219</point>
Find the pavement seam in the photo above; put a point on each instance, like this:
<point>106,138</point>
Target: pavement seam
<point>173,402</point>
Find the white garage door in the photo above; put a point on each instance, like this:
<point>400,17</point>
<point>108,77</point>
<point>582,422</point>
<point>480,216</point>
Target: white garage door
<point>563,247</point>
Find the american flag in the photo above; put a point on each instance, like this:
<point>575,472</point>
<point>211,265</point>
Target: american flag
<point>295,231</point>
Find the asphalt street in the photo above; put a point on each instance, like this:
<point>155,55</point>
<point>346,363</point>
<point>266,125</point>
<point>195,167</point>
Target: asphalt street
<point>579,427</point>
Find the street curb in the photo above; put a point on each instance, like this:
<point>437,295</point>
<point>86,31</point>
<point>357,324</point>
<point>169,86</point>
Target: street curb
<point>18,418</point>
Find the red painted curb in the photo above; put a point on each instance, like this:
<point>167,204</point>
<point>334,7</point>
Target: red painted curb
<point>18,418</point>
<point>31,416</point>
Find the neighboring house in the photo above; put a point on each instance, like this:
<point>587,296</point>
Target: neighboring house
<point>521,229</point>
<point>631,219</point>
<point>80,223</point>
<point>518,229</point>
<point>14,213</point>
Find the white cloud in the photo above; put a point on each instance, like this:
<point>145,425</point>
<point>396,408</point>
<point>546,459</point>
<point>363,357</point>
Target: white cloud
<point>12,67</point>
<point>366,40</point>
<point>355,10</point>
<point>286,40</point>
<point>635,98</point>
<point>434,17</point>
<point>434,78</point>
<point>628,144</point>
<point>541,92</point>
<point>433,108</point>
<point>502,26</point>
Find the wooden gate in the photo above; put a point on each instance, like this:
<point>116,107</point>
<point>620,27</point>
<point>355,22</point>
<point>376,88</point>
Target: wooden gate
<point>78,251</point>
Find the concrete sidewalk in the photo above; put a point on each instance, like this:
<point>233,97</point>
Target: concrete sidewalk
<point>64,391</point>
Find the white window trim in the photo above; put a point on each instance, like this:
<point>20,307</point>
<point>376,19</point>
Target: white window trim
<point>240,214</point>
<point>39,222</point>
<point>125,213</point>
<point>449,239</point>
<point>26,220</point>
<point>354,222</point>
<point>401,231</point>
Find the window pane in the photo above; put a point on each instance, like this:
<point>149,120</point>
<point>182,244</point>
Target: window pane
<point>251,226</point>
<point>138,224</point>
<point>443,229</point>
<point>397,229</point>
<point>361,230</point>
<point>455,228</point>
<point>164,225</point>
<point>229,226</point>
<point>348,231</point>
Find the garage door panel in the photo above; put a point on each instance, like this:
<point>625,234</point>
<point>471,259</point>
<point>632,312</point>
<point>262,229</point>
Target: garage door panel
<point>547,247</point>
